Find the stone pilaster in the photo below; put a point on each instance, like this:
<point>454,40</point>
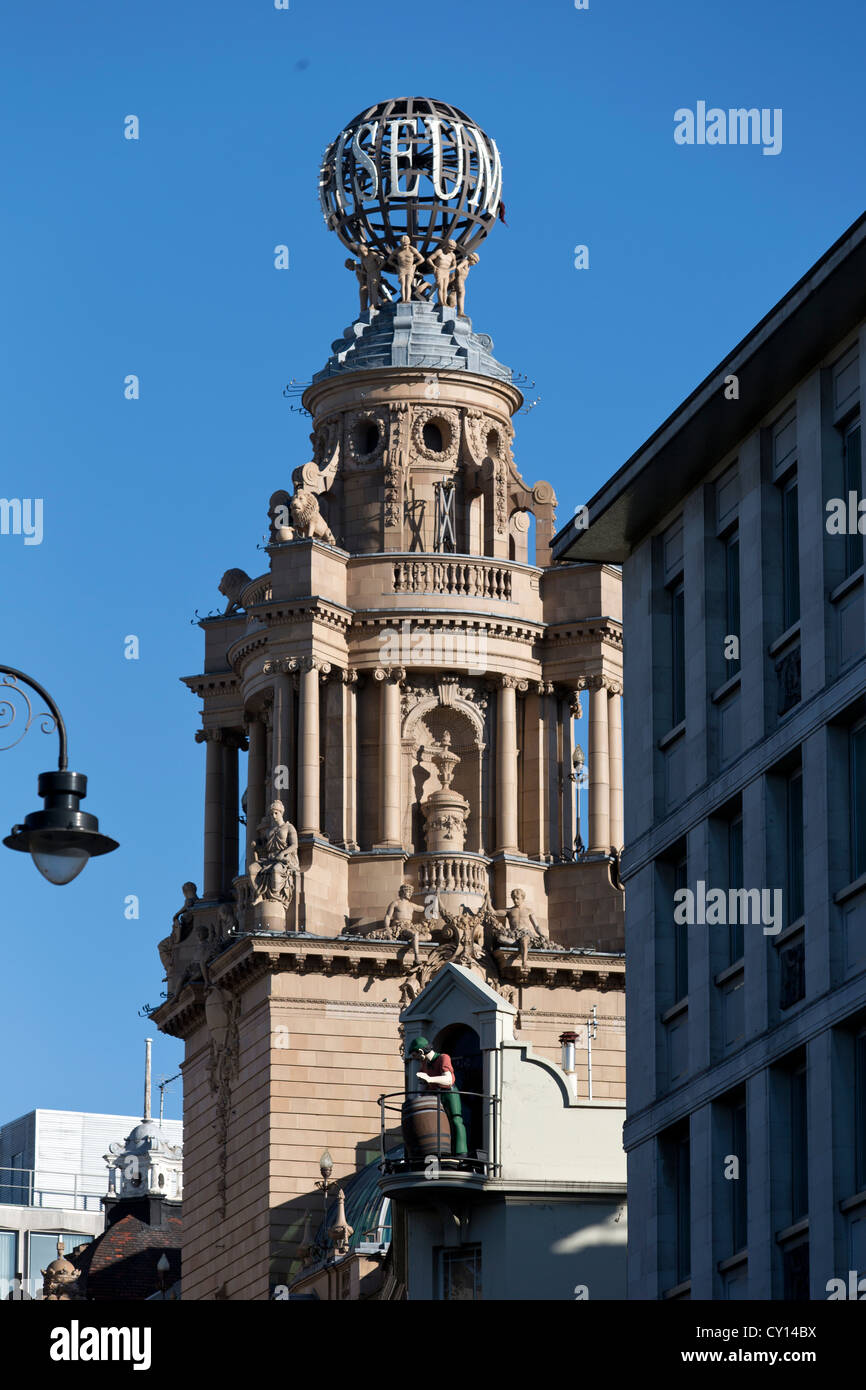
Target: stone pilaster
<point>599,768</point>
<point>506,764</point>
<point>389,734</point>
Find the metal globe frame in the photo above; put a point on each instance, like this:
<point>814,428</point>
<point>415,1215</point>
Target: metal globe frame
<point>419,140</point>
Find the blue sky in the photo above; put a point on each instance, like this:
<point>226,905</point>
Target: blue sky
<point>155,257</point>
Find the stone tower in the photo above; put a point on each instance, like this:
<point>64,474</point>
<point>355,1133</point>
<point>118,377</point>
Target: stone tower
<point>405,679</point>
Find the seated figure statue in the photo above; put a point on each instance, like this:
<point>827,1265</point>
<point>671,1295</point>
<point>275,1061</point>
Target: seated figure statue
<point>274,861</point>
<point>520,926</point>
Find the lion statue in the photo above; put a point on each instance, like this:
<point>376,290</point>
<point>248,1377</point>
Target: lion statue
<point>308,520</point>
<point>231,586</point>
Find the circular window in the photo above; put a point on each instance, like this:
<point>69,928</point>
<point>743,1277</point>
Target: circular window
<point>432,436</point>
<point>366,438</point>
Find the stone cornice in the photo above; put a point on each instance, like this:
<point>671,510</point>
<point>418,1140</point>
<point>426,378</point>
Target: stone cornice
<point>250,958</point>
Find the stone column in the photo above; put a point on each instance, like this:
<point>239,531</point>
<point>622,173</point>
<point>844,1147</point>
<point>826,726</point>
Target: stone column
<point>308,740</point>
<point>278,788</point>
<point>390,755</point>
<point>256,773</point>
<point>231,743</point>
<point>599,768</point>
<point>350,759</point>
<point>568,706</point>
<point>213,812</point>
<point>614,730</point>
<point>506,764</point>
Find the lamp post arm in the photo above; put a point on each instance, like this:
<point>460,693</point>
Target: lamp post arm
<point>52,706</point>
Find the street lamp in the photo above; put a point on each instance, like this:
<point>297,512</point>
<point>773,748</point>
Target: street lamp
<point>61,838</point>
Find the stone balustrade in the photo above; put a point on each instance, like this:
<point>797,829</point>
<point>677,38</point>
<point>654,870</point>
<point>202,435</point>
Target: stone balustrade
<point>452,873</point>
<point>459,578</point>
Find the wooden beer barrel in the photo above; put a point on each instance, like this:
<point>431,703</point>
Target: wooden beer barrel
<point>425,1126</point>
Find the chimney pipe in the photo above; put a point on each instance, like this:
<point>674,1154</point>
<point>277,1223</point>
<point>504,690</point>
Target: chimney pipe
<point>148,1043</point>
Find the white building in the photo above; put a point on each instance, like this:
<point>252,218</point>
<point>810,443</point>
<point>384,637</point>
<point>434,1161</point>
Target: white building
<point>745,769</point>
<point>537,1210</point>
<point>53,1176</point>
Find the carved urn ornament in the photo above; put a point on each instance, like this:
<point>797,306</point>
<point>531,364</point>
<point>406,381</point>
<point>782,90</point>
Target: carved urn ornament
<point>445,811</point>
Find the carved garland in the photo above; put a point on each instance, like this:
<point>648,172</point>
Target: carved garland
<point>360,417</point>
<point>448,420</point>
<point>394,464</point>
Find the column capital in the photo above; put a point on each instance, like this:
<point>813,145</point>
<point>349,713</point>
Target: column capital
<point>279,665</point>
<point>210,735</point>
<point>544,687</point>
<point>595,682</point>
<point>311,663</point>
<point>512,683</point>
<point>614,687</point>
<point>349,677</point>
<point>397,674</point>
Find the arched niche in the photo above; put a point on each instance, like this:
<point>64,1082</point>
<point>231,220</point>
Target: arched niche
<point>423,728</point>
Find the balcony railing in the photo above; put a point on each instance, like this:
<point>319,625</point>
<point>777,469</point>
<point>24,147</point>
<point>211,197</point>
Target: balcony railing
<point>39,1187</point>
<point>433,1158</point>
<point>462,578</point>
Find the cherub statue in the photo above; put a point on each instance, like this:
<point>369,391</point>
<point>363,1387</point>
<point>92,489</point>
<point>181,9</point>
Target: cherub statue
<point>400,918</point>
<point>372,263</point>
<point>457,297</point>
<point>275,858</point>
<point>406,259</point>
<point>231,586</point>
<point>444,262</point>
<point>522,926</point>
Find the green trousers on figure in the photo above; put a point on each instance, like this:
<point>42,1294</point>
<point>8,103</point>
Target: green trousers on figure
<point>454,1110</point>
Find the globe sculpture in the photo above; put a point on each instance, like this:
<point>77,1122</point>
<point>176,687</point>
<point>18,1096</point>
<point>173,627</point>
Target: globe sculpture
<point>411,187</point>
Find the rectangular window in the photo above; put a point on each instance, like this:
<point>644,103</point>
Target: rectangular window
<point>736,944</point>
<point>794,846</point>
<point>858,801</point>
<point>790,555</point>
<point>739,1185</point>
<point>678,655</point>
<point>795,1270</point>
<point>8,1251</point>
<point>799,1145</point>
<point>860,1110</point>
<point>683,1207</point>
<point>732,595</point>
<point>459,1273</point>
<point>853,482</point>
<point>681,939</point>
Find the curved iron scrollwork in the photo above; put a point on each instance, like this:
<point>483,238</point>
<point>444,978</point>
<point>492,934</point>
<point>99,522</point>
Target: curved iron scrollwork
<point>10,711</point>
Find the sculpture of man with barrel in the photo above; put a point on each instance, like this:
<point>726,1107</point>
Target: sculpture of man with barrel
<point>440,1076</point>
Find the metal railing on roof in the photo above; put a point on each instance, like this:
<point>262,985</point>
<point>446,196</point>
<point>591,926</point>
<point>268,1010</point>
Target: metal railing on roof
<point>41,1187</point>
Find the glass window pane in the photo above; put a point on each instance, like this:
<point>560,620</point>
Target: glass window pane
<point>739,1185</point>
<point>790,555</point>
<point>858,802</point>
<point>7,1262</point>
<point>853,483</point>
<point>684,1213</point>
<point>799,1147</point>
<point>860,1110</point>
<point>732,595</point>
<point>795,847</point>
<point>736,942</point>
<point>678,656</point>
<point>681,940</point>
